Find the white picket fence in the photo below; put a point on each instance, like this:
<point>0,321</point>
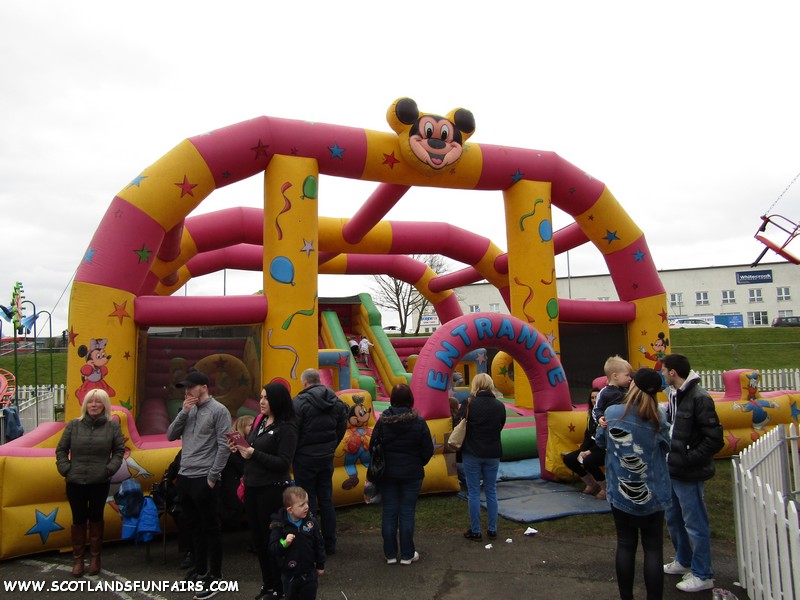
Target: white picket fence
<point>37,406</point>
<point>771,379</point>
<point>766,482</point>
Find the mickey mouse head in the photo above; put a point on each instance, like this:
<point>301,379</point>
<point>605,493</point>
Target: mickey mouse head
<point>429,142</point>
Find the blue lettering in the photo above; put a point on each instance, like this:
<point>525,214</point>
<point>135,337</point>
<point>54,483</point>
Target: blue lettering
<point>437,380</point>
<point>544,353</point>
<point>483,327</point>
<point>506,330</point>
<point>556,375</point>
<point>527,336</point>
<point>447,357</point>
<point>461,331</point>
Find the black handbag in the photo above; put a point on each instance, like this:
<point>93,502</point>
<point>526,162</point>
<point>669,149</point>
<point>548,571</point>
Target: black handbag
<point>377,461</point>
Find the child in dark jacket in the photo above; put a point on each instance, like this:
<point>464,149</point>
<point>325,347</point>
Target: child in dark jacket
<point>295,541</point>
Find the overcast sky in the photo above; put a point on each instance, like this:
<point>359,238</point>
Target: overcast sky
<point>687,111</point>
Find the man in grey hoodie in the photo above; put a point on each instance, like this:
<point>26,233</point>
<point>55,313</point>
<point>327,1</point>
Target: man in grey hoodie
<point>202,423</point>
<point>321,425</point>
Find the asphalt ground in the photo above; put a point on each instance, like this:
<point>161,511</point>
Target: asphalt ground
<point>544,565</point>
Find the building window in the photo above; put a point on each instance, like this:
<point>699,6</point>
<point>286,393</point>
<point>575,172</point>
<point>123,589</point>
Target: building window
<point>783,294</point>
<point>494,307</point>
<point>676,299</point>
<point>785,313</point>
<point>473,308</point>
<point>701,298</point>
<point>728,297</point>
<point>758,317</point>
<point>755,295</point>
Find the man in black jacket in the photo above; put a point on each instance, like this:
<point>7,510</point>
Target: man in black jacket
<point>321,425</point>
<point>696,437</point>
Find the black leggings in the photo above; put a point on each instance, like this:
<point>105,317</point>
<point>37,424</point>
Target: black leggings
<point>260,503</point>
<point>652,528</point>
<point>87,502</point>
<point>591,463</point>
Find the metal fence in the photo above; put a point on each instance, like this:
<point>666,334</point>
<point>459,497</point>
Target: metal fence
<point>36,407</point>
<point>771,379</point>
<point>766,486</point>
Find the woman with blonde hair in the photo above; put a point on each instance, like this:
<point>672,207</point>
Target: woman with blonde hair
<point>636,438</point>
<point>89,453</point>
<point>481,452</point>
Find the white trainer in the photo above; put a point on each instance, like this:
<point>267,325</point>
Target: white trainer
<point>391,561</point>
<point>695,584</point>
<point>676,568</point>
<point>413,559</point>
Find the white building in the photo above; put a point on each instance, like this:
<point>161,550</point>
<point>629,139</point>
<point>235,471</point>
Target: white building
<point>736,295</point>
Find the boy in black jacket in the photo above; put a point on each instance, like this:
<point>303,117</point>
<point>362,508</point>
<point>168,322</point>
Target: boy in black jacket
<point>295,540</point>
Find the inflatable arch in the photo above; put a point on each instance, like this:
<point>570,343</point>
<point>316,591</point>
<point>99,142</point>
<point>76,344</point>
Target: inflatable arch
<point>147,246</point>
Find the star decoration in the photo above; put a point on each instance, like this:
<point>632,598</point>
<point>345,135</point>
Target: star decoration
<point>342,360</point>
<point>591,217</point>
<point>635,286</point>
<point>733,441</point>
<point>795,411</point>
<point>119,311</point>
<point>89,256</point>
<point>503,371</point>
<point>127,404</point>
<point>144,254</point>
<point>571,427</point>
<point>295,150</point>
<point>663,315</point>
<point>127,355</point>
<point>611,236</point>
<point>118,214</point>
<point>480,358</point>
<point>243,381</point>
<point>137,180</point>
<point>389,159</point>
<point>336,151</point>
<point>226,174</point>
<point>186,187</point>
<point>517,176</point>
<point>45,525</point>
<point>220,363</point>
<point>644,333</point>
<point>551,338</point>
<point>260,150</point>
<point>572,190</point>
<point>638,256</point>
<point>72,336</point>
<point>308,247</point>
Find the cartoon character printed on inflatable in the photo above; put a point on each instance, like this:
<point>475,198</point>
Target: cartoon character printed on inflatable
<point>756,405</point>
<point>94,371</point>
<point>356,440</point>
<point>128,464</point>
<point>430,142</point>
<point>659,350</point>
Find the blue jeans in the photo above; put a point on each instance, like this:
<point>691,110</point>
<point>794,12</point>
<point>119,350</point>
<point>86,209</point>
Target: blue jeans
<point>317,480</point>
<point>687,522</point>
<point>475,469</point>
<point>399,498</point>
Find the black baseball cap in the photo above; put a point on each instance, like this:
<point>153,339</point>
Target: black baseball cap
<point>192,379</point>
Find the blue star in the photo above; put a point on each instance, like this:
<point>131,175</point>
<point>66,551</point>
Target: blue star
<point>45,525</point>
<point>336,151</point>
<point>795,411</point>
<point>517,176</point>
<point>611,236</point>
<point>87,258</point>
<point>638,256</point>
<point>137,180</point>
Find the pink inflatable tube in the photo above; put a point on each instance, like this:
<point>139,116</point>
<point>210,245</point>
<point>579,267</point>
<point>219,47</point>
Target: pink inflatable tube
<point>440,355</point>
<point>199,310</point>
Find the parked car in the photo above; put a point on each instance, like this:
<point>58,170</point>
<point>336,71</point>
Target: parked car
<point>786,322</point>
<point>693,323</point>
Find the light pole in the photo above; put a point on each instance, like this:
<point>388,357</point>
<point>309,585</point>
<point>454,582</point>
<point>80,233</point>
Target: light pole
<point>35,350</point>
<point>50,330</point>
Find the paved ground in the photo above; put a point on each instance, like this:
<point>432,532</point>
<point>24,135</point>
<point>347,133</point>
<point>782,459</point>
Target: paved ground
<point>546,565</point>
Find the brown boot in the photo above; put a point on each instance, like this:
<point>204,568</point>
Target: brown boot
<point>78,549</point>
<point>95,546</point>
<point>601,495</point>
<point>592,487</point>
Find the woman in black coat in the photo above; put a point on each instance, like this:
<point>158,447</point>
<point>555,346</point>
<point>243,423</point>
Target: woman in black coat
<point>481,452</point>
<point>407,448</point>
<point>268,459</point>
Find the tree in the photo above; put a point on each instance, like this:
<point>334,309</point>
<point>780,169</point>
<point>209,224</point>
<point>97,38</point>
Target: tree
<point>397,295</point>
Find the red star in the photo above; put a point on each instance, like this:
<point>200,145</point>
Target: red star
<point>733,441</point>
<point>571,427</point>
<point>186,187</point>
<point>127,355</point>
<point>644,332</point>
<point>342,360</point>
<point>72,336</point>
<point>119,311</point>
<point>591,217</point>
<point>260,150</point>
<point>663,315</point>
<point>389,159</point>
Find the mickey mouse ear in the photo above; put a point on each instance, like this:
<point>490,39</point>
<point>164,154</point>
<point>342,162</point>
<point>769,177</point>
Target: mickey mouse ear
<point>402,113</point>
<point>464,120</point>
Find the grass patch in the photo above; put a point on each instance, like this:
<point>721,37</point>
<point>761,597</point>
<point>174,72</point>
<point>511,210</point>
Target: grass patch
<point>726,349</point>
<point>27,367</point>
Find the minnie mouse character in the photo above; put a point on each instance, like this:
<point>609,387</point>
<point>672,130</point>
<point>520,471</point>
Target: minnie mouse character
<point>94,371</point>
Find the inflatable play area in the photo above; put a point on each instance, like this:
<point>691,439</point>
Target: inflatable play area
<point>130,334</point>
